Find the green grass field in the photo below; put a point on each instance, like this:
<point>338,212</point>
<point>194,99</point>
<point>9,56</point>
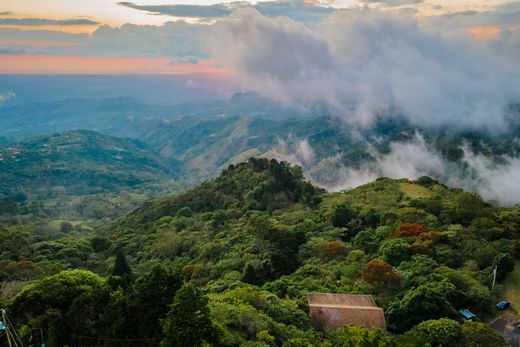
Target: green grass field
<point>415,191</point>
<point>512,288</point>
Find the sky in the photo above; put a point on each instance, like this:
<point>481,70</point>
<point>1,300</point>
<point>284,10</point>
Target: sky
<point>175,37</point>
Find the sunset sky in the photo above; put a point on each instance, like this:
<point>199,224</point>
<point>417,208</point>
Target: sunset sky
<point>171,37</point>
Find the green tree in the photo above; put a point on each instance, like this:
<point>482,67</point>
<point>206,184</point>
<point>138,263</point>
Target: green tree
<point>505,264</point>
<point>121,267</point>
<point>64,304</point>
<point>437,333</point>
<point>151,296</point>
<point>477,334</point>
<point>188,323</point>
<point>394,251</point>
<point>468,206</point>
<point>354,336</point>
<point>425,302</point>
<point>250,275</point>
<point>342,216</point>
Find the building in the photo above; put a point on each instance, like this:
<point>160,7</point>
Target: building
<point>335,310</point>
<point>466,314</point>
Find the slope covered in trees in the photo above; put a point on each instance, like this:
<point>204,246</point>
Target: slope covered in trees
<point>252,243</point>
<point>56,170</point>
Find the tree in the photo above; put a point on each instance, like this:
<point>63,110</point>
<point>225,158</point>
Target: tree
<point>477,334</point>
<point>505,264</point>
<point>353,336</point>
<point>188,323</point>
<point>250,275</point>
<point>66,227</point>
<point>121,267</point>
<point>342,216</point>
<point>442,332</point>
<point>394,251</point>
<point>63,304</point>
<point>150,296</point>
<point>335,248</point>
<point>419,304</point>
<point>409,230</point>
<point>468,206</point>
<point>378,271</point>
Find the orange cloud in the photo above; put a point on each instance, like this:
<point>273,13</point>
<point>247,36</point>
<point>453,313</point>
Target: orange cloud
<point>40,64</point>
<point>36,43</point>
<point>72,29</point>
<point>484,33</point>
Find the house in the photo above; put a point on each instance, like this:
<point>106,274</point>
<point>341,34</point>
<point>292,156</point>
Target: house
<point>332,311</point>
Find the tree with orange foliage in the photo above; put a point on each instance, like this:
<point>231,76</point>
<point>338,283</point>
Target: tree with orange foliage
<point>378,271</point>
<point>335,248</point>
<point>409,230</point>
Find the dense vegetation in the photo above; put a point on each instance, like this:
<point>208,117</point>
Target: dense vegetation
<point>230,262</point>
<point>59,174</point>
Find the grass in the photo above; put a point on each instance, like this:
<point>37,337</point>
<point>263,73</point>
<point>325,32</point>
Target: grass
<point>512,288</point>
<point>415,191</point>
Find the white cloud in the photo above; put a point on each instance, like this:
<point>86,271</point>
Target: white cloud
<point>367,64</point>
<point>497,179</point>
<point>294,151</point>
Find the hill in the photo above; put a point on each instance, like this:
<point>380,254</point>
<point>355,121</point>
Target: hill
<point>64,166</point>
<point>257,239</point>
<point>335,155</point>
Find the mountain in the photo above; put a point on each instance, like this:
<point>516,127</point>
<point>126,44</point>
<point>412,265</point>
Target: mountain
<point>335,155</point>
<point>128,117</point>
<point>66,165</point>
<point>116,116</point>
<point>258,239</point>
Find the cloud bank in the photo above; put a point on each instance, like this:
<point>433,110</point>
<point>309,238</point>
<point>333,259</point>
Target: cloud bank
<point>367,64</point>
<point>411,159</point>
<point>300,10</point>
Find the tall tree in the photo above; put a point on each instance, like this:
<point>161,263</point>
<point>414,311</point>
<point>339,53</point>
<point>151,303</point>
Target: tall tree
<point>188,323</point>
<point>151,296</point>
<point>121,267</point>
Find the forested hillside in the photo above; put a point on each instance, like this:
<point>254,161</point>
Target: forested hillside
<point>55,175</point>
<point>230,262</point>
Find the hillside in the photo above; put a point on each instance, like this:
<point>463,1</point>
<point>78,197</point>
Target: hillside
<point>62,167</point>
<point>258,238</point>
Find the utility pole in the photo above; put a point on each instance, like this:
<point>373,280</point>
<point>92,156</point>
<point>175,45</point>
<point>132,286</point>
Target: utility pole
<point>494,278</point>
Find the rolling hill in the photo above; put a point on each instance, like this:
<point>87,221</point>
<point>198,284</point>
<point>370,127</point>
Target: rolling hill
<point>65,166</point>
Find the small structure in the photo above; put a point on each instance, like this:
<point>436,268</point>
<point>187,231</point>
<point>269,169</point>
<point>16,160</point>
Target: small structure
<point>466,314</point>
<point>332,311</point>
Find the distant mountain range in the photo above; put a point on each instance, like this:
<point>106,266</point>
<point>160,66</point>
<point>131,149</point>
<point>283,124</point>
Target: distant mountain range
<point>191,142</point>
